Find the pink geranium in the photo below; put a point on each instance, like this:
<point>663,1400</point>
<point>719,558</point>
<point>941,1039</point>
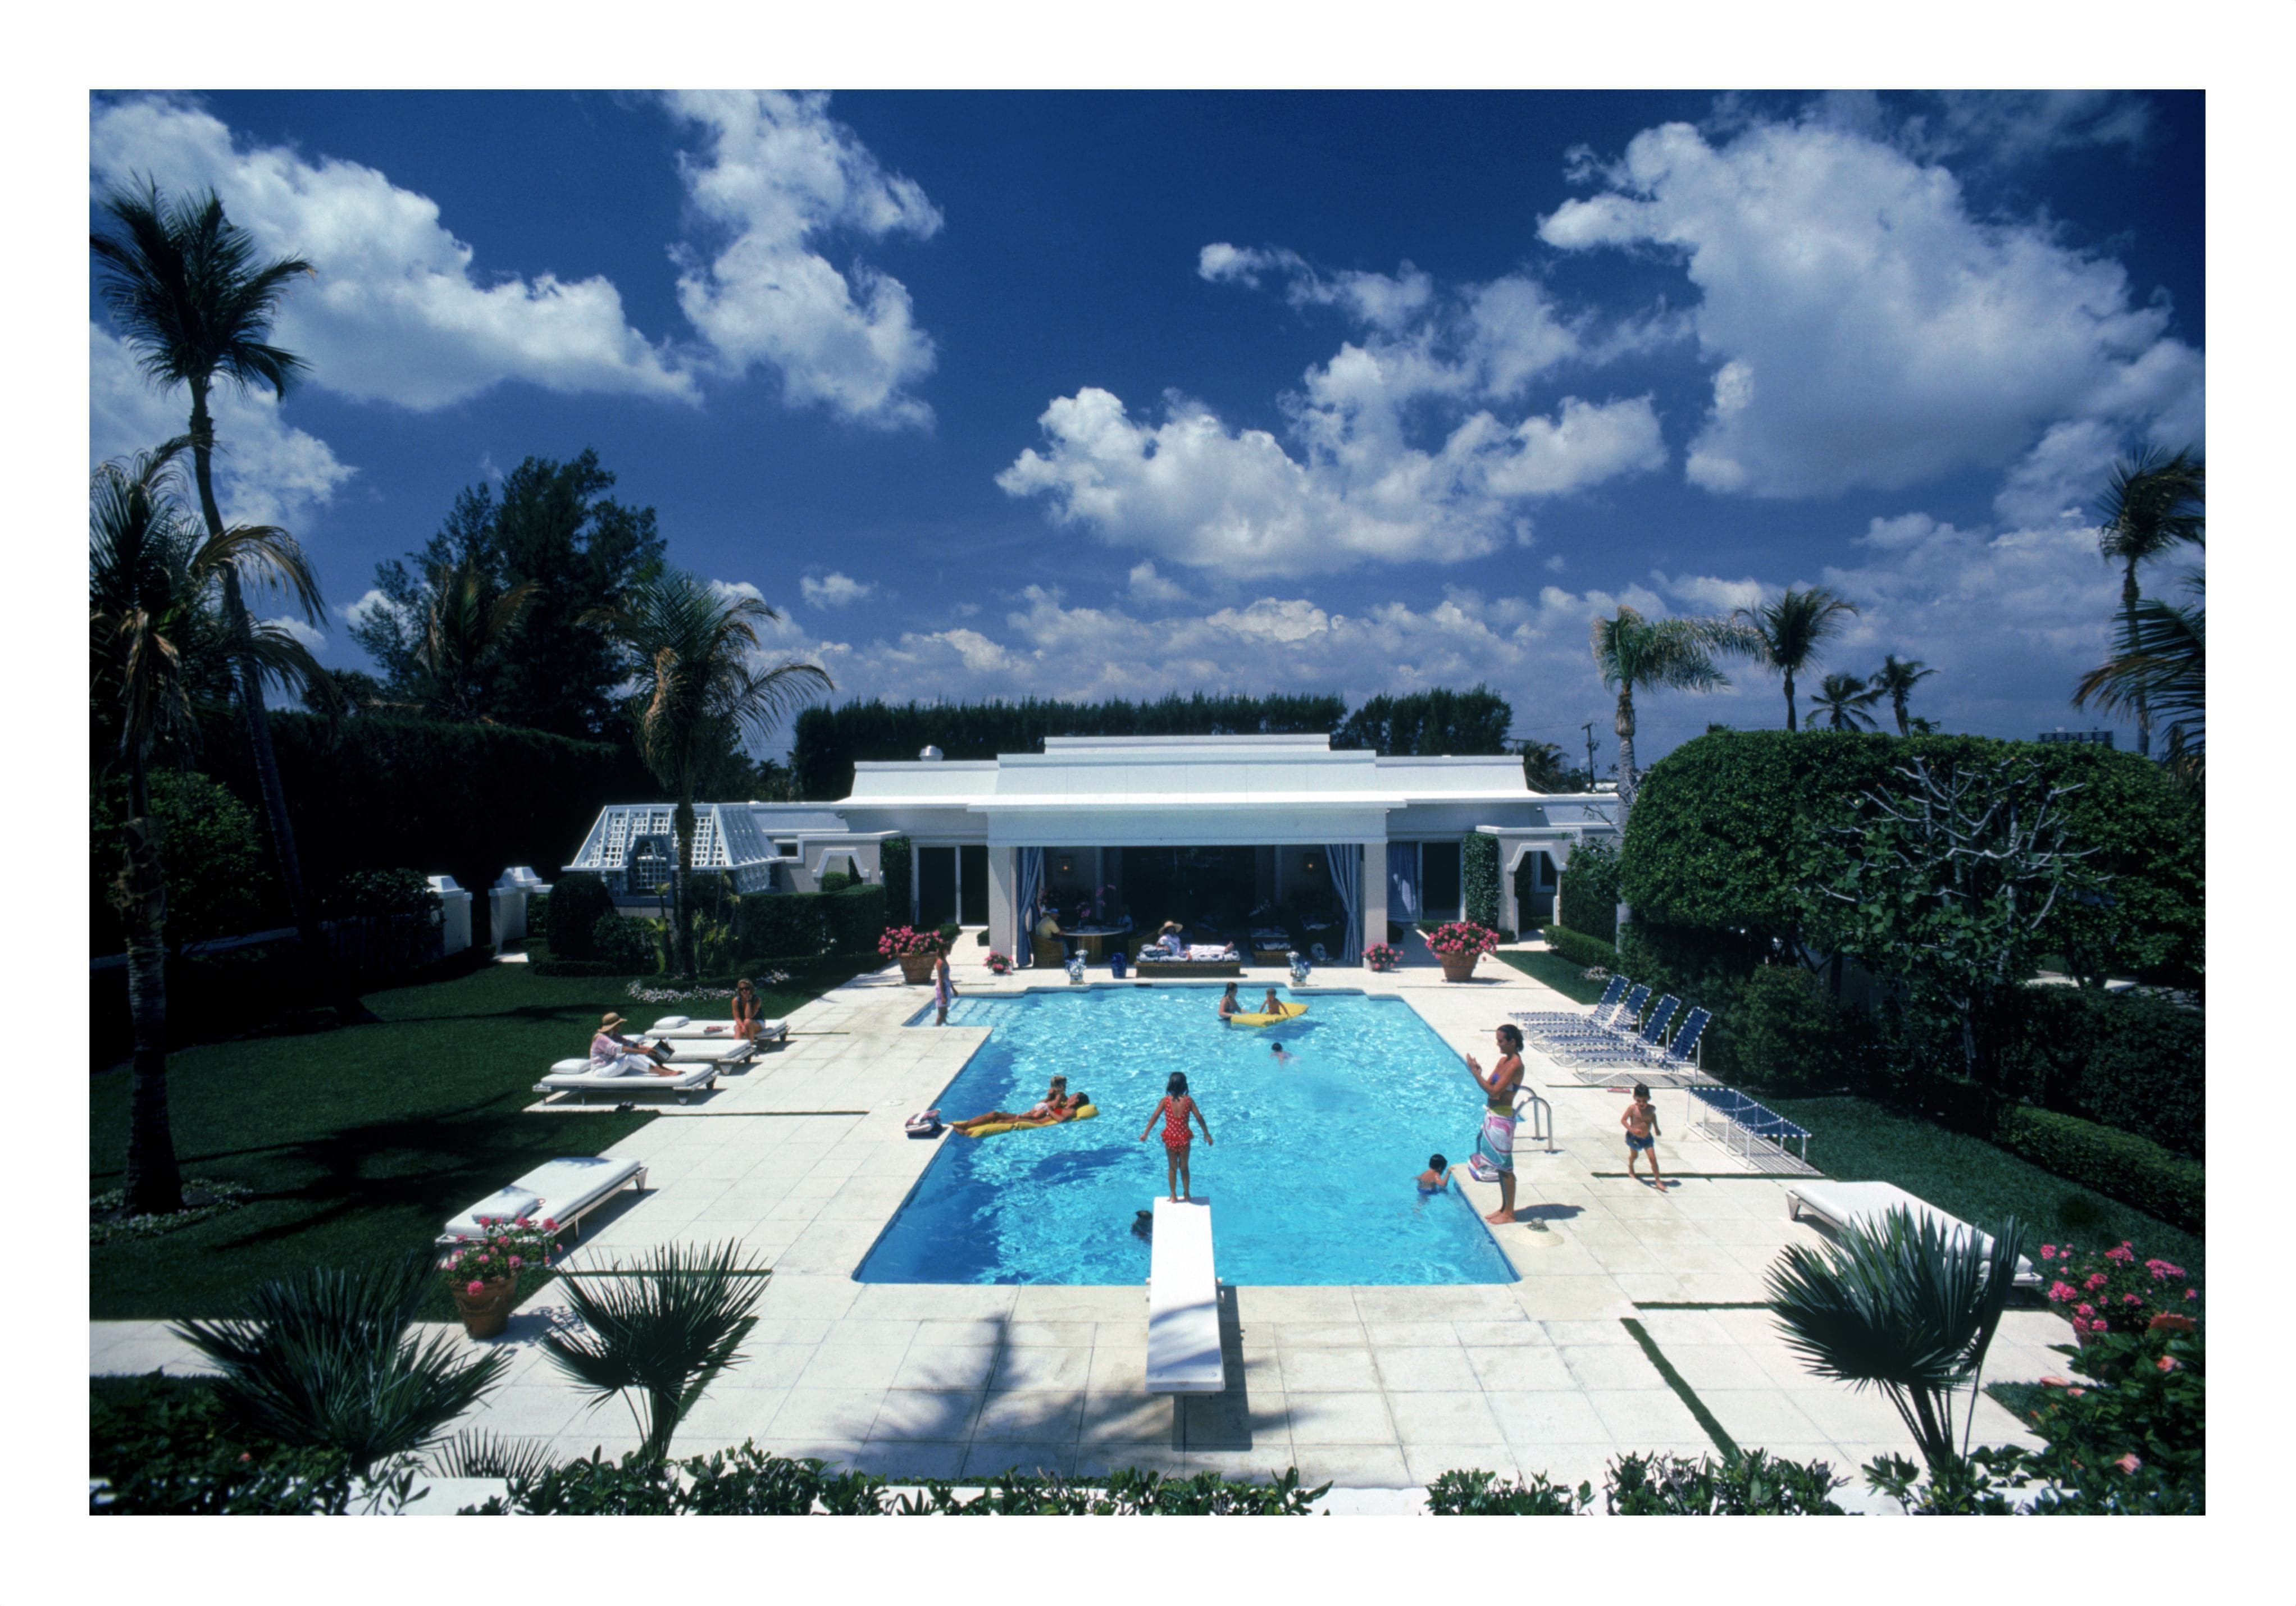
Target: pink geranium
<point>475,1288</point>
<point>2129,1463</point>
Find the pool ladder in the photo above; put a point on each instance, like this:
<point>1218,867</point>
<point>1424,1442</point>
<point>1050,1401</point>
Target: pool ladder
<point>1528,1107</point>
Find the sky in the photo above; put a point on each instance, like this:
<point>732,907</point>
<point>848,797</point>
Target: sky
<point>1112,393</point>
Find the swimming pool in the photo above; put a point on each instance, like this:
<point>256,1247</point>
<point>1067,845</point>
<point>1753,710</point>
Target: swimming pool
<point>1309,1176</point>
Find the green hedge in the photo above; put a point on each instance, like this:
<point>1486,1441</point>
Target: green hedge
<point>1789,1035</point>
<point>804,925</point>
<point>898,860</point>
<point>578,900</point>
<point>469,801</point>
<point>1589,899</point>
<point>1478,878</point>
<point>2128,1061</point>
<point>1579,948</point>
<point>2118,1164</point>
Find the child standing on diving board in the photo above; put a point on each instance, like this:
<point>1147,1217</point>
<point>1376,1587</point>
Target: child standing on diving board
<point>1175,1107</point>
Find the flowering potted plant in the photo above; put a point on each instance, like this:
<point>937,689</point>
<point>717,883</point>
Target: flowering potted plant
<point>483,1272</point>
<point>914,950</point>
<point>1459,945</point>
<point>998,964</point>
<point>2113,1291</point>
<point>1382,956</point>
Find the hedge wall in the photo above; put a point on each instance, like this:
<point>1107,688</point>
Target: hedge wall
<point>469,801</point>
<point>2127,1059</point>
<point>1579,948</point>
<point>1478,878</point>
<point>1589,900</point>
<point>803,925</point>
<point>2119,1165</point>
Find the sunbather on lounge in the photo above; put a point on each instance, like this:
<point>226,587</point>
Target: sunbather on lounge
<point>748,1020</point>
<point>1052,1110</point>
<point>614,1056</point>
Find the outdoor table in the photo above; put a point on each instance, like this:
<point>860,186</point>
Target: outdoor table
<point>1091,935</point>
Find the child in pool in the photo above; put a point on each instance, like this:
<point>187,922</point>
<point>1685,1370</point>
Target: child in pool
<point>1282,1057</point>
<point>1437,1176</point>
<point>1270,1005</point>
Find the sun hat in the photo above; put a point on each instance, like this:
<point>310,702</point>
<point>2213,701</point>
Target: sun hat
<point>611,1021</point>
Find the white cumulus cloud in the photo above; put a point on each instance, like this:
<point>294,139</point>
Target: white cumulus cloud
<point>778,177</point>
<point>1866,329</point>
<point>265,471</point>
<point>834,590</point>
<point>396,312</point>
<point>314,641</point>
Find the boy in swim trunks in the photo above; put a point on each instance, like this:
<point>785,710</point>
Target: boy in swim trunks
<point>1641,1122</point>
<point>1437,1176</point>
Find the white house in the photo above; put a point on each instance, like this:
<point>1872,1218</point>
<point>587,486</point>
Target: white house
<point>1169,826</point>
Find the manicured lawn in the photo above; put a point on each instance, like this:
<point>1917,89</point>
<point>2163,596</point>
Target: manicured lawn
<point>360,1142</point>
<point>1858,1141</point>
<point>1558,973</point>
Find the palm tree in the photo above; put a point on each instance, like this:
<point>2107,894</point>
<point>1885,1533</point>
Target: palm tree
<point>2156,501</point>
<point>1677,654</point>
<point>1844,699</point>
<point>1896,680</point>
<point>2162,667</point>
<point>1909,1306</point>
<point>1792,630</point>
<point>185,290</point>
<point>464,629</point>
<point>153,637</point>
<point>696,683</point>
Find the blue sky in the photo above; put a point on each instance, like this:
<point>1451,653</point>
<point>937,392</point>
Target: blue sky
<point>1090,394</point>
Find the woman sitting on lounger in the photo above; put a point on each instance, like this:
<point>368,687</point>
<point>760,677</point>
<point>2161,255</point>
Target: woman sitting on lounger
<point>1054,1111</point>
<point>613,1055</point>
<point>747,1022</point>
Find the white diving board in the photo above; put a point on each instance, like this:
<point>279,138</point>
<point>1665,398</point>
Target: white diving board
<point>1184,1337</point>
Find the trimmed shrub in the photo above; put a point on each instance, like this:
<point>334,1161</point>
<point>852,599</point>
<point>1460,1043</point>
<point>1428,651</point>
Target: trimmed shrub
<point>2126,1059</point>
<point>1579,948</point>
<point>806,925</point>
<point>577,900</point>
<point>2119,1165</point>
<point>855,919</point>
<point>625,943</point>
<point>1478,878</point>
<point>385,921</point>
<point>1589,900</point>
<point>836,880</point>
<point>1788,1037</point>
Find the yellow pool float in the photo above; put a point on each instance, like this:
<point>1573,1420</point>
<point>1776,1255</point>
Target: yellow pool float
<point>1283,1012</point>
<point>1085,1113</point>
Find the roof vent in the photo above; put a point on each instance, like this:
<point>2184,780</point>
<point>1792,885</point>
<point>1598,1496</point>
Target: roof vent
<point>928,753</point>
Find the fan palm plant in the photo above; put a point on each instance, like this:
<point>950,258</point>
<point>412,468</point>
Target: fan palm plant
<point>2162,669</point>
<point>154,639</point>
<point>1843,700</point>
<point>657,1332</point>
<point>186,289</point>
<point>1908,1305</point>
<point>325,1357</point>
<point>1792,628</point>
<point>2156,502</point>
<point>1896,680</point>
<point>697,680</point>
<point>1673,654</point>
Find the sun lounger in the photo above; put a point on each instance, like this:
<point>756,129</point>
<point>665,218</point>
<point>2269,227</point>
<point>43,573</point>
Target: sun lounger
<point>1184,1338</point>
<point>562,1190</point>
<point>677,1029</point>
<point>576,1077</point>
<point>1840,1203</point>
<point>1615,1049</point>
<point>1611,994</point>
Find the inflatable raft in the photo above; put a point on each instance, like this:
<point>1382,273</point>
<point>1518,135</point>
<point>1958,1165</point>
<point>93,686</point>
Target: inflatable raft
<point>1283,1012</point>
<point>993,1127</point>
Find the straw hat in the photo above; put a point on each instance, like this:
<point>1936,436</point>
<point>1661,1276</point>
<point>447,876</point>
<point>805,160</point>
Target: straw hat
<point>610,1022</point>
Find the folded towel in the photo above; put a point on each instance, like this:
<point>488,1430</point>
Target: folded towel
<point>670,1023</point>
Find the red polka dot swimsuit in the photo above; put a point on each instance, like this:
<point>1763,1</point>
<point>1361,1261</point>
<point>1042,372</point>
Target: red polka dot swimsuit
<point>1175,1120</point>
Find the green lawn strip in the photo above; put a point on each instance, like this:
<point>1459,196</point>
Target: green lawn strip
<point>1857,1140</point>
<point>1681,1386</point>
<point>360,1142</point>
<point>1557,973</point>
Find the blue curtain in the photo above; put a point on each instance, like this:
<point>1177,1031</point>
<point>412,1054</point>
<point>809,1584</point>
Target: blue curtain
<point>1032,882</point>
<point>1347,880</point>
<point>1402,882</point>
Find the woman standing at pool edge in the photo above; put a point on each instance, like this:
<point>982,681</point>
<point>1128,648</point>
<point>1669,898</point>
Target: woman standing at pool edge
<point>1175,1109</point>
<point>1495,1143</point>
<point>944,989</point>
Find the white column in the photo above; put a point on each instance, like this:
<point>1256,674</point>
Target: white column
<point>1374,892</point>
<point>1004,891</point>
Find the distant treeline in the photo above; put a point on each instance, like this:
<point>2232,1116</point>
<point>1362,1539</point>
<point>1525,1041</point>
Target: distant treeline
<point>830,741</point>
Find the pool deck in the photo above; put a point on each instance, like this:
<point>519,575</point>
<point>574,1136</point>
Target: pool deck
<point>801,1157</point>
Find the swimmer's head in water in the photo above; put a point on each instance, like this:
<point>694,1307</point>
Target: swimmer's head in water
<point>1176,1084</point>
<point>1436,1163</point>
<point>1275,1048</point>
<point>1231,989</point>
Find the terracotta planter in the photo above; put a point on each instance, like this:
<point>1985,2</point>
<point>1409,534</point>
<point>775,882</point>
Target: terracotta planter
<point>486,1313</point>
<point>917,968</point>
<point>1458,967</point>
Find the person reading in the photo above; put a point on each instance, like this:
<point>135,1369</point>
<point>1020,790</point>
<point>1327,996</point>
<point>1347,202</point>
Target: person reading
<point>613,1055</point>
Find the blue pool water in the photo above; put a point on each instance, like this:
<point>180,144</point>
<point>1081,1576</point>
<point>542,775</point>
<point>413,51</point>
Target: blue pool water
<point>1309,1175</point>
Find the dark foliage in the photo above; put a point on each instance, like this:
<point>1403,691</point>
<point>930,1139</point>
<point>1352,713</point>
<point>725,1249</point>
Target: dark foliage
<point>899,865</point>
<point>2119,1165</point>
<point>829,742</point>
<point>578,900</point>
<point>1589,900</point>
<point>2130,1061</point>
<point>1752,1484</point>
<point>626,943</point>
<point>164,1447</point>
<point>1479,878</point>
<point>1788,1036</point>
<point>1581,949</point>
<point>1435,722</point>
<point>803,925</point>
<point>1475,1493</point>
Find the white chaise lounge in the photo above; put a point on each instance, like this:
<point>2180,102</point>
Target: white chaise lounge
<point>1184,1338</point>
<point>1839,1203</point>
<point>562,1190</point>
<point>576,1076</point>
<point>676,1028</point>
